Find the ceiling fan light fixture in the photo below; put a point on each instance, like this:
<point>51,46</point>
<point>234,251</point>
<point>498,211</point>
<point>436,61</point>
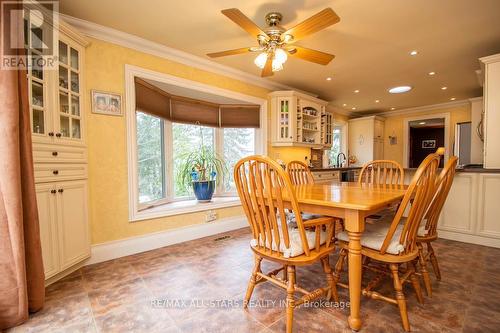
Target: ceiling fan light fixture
<point>277,65</point>
<point>260,60</point>
<point>280,56</point>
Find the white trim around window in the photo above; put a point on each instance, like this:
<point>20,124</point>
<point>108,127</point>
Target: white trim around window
<point>135,212</point>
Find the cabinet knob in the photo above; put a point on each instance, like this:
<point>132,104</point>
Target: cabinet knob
<point>58,135</point>
<point>55,172</point>
<point>61,190</point>
<point>53,191</point>
<point>51,133</point>
<point>54,153</point>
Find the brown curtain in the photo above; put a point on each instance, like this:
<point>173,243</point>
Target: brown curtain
<point>190,111</point>
<point>21,268</point>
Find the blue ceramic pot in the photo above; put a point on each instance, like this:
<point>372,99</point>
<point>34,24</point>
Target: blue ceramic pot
<point>204,190</point>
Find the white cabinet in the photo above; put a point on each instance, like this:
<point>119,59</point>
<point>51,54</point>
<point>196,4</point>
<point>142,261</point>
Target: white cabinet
<point>46,200</point>
<point>366,139</point>
<point>491,69</point>
<point>73,231</point>
<point>60,155</point>
<point>470,213</point>
<point>62,211</point>
<point>299,120</point>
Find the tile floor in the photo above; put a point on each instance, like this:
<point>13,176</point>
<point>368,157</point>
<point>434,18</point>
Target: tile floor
<point>130,294</point>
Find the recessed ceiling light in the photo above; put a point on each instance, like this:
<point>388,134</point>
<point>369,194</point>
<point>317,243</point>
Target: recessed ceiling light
<point>377,101</point>
<point>414,53</point>
<point>393,108</point>
<point>422,123</point>
<point>444,88</point>
<point>452,99</point>
<point>353,108</point>
<point>400,89</point>
<point>432,73</point>
<point>328,78</point>
<point>356,91</point>
<point>344,104</point>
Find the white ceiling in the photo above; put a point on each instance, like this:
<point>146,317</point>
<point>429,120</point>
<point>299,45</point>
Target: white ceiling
<point>371,42</point>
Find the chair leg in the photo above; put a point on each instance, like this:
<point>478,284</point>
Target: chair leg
<point>331,280</point>
<point>423,269</point>
<point>400,297</point>
<point>285,273</point>
<point>290,301</point>
<point>415,281</point>
<point>339,265</point>
<point>253,281</point>
<point>434,261</point>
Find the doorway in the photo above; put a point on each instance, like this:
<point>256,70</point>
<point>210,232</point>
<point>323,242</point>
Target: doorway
<point>425,136</point>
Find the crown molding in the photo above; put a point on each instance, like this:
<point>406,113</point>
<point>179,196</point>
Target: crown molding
<point>333,109</point>
<point>425,108</point>
<point>476,99</point>
<point>124,39</point>
<point>490,59</point>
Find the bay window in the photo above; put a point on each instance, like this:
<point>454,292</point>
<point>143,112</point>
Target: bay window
<point>168,128</point>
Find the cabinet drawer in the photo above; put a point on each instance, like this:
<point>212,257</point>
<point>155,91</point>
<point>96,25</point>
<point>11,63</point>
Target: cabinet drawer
<point>57,172</point>
<point>326,175</point>
<point>47,153</point>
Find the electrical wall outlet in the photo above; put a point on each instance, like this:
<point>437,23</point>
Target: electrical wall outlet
<point>210,216</point>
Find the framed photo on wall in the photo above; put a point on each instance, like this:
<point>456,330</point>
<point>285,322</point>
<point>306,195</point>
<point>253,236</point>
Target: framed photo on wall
<point>106,103</point>
<point>430,144</point>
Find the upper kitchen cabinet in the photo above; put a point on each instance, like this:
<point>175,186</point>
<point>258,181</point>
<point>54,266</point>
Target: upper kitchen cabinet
<point>56,96</point>
<point>299,120</point>
<point>366,139</point>
<point>491,70</point>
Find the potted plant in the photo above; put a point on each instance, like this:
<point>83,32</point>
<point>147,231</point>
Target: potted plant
<point>201,170</point>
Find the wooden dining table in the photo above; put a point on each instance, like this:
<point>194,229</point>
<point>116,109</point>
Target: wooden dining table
<point>352,202</point>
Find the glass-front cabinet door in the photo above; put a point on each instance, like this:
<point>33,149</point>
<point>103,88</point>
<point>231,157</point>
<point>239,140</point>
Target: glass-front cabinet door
<point>37,82</point>
<point>286,119</point>
<point>69,112</point>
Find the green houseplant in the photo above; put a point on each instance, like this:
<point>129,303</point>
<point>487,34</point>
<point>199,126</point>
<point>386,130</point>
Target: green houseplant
<point>201,170</point>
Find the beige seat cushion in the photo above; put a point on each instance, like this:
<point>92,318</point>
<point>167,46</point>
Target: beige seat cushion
<point>386,216</point>
<point>295,248</point>
<point>374,237</point>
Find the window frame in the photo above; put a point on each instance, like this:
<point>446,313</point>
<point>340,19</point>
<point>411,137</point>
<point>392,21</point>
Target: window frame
<point>170,206</point>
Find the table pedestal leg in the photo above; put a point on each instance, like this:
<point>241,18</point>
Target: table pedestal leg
<point>355,270</point>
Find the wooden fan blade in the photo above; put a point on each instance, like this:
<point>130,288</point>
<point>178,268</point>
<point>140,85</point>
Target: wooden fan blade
<point>229,52</point>
<point>268,67</point>
<point>315,23</point>
<point>240,19</point>
<point>315,56</point>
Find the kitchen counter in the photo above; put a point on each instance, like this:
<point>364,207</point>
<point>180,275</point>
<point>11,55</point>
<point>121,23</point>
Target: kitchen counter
<point>467,170</point>
<point>335,169</point>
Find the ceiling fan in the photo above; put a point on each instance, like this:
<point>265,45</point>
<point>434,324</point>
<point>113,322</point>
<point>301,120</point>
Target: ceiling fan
<point>276,43</point>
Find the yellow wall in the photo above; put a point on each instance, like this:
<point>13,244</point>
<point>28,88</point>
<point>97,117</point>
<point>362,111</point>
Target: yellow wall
<point>394,127</point>
<point>108,180</point>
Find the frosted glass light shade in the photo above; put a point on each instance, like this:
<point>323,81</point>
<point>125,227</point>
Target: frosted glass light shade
<point>260,60</point>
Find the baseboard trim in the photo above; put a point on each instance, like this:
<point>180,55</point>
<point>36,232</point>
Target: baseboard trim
<point>468,238</point>
<point>125,247</point>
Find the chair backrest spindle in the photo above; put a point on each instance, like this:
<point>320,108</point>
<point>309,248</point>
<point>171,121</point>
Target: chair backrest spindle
<point>299,173</point>
<point>381,172</point>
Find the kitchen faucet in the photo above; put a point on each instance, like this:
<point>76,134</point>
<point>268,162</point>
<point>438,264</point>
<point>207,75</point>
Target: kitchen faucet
<point>338,159</point>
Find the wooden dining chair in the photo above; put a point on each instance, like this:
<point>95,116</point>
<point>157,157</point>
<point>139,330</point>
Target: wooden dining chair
<point>299,173</point>
<point>427,232</point>
<point>266,190</point>
<point>394,244</point>
<point>380,172</point>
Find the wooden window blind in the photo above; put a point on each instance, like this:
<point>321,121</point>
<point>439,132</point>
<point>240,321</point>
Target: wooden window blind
<point>152,100</point>
<point>240,116</point>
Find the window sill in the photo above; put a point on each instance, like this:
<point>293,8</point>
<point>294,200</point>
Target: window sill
<point>184,207</point>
